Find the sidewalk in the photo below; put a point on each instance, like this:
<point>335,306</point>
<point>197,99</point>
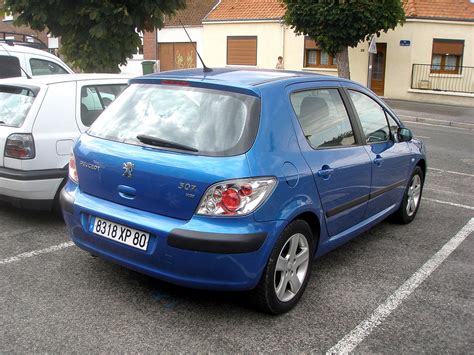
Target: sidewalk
<point>444,115</point>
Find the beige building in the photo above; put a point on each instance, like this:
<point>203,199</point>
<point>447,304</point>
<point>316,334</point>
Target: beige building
<point>430,58</point>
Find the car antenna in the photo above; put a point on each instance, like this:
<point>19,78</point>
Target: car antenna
<point>23,70</point>
<point>206,69</point>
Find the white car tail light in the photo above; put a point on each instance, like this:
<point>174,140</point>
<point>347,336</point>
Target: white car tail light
<point>73,169</point>
<point>20,146</point>
<point>236,197</point>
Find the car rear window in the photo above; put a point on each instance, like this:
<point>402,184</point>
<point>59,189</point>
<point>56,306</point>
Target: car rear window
<point>9,67</point>
<point>214,122</point>
<point>15,103</point>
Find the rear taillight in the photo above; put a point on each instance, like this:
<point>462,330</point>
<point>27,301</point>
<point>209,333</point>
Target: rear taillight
<point>20,146</point>
<point>236,197</point>
<point>73,169</point>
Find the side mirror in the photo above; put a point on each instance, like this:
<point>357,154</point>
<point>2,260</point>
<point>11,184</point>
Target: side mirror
<point>405,134</point>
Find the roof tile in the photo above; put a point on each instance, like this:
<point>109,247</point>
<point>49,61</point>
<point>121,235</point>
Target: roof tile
<point>440,9</point>
<point>234,10</point>
<point>231,10</point>
<point>193,14</point>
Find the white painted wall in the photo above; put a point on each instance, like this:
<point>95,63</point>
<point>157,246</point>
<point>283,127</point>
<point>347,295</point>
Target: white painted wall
<point>273,39</point>
<point>269,41</point>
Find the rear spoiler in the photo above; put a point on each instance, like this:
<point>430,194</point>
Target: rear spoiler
<point>197,83</point>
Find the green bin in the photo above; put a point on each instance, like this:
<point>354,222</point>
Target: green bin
<point>147,66</point>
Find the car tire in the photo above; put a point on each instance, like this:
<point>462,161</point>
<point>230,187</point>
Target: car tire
<point>288,270</point>
<point>411,198</point>
<point>56,203</point>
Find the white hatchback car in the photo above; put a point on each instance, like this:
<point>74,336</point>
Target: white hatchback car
<point>16,60</point>
<point>40,120</point>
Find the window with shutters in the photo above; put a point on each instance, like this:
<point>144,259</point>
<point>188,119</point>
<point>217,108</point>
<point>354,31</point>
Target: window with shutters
<point>446,56</point>
<point>314,57</point>
<point>242,50</point>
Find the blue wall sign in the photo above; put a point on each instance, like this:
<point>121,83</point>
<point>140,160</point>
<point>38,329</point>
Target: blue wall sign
<point>405,43</point>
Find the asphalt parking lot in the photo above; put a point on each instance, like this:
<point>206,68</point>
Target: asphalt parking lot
<point>370,295</point>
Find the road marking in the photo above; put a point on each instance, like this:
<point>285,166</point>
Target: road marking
<point>437,125</point>
<point>367,326</point>
<point>29,254</point>
<point>449,203</point>
<point>451,172</point>
<point>422,137</point>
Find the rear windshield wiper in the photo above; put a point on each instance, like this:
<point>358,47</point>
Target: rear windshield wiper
<point>158,142</point>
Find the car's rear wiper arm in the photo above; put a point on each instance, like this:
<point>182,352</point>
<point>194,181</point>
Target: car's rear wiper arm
<point>158,142</point>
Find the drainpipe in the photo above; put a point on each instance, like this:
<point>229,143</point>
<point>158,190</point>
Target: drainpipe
<point>282,24</point>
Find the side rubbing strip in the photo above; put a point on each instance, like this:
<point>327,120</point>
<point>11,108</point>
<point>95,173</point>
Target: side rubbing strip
<point>387,189</point>
<point>362,199</point>
<point>347,205</point>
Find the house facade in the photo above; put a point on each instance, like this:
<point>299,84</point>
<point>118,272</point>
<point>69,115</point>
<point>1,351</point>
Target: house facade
<point>430,58</point>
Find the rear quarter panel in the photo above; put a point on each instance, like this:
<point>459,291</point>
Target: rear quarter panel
<point>276,152</point>
<point>55,129</point>
<point>26,127</point>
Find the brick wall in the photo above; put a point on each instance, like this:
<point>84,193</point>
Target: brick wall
<point>7,26</point>
<point>149,45</point>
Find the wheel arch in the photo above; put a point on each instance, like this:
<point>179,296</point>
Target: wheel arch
<point>314,223</point>
<point>422,164</point>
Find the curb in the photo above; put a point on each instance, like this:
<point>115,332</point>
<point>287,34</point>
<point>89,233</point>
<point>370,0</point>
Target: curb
<point>437,122</point>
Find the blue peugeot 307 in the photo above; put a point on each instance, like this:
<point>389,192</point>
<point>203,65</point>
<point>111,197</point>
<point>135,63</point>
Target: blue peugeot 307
<point>236,179</point>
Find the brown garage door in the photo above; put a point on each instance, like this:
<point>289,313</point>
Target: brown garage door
<point>242,50</point>
<point>176,56</point>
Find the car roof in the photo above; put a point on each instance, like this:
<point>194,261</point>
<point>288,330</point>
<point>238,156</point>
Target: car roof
<point>63,78</point>
<point>18,48</point>
<point>242,76</point>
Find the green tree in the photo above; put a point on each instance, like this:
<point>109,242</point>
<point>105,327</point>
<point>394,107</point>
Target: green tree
<point>96,35</point>
<point>338,24</point>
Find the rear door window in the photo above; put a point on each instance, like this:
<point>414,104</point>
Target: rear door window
<point>323,118</point>
<point>45,67</point>
<point>15,103</point>
<point>95,99</point>
<point>9,67</point>
<point>371,116</point>
<point>213,122</point>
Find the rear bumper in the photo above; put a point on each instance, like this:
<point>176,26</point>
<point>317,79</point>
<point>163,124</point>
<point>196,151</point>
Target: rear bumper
<point>30,189</point>
<point>208,253</point>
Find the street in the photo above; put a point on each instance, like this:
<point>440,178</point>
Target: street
<point>58,298</point>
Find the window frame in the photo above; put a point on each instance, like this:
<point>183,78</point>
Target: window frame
<point>358,137</point>
<point>47,61</point>
<point>318,51</point>
<point>237,38</point>
<point>96,87</point>
<point>11,65</point>
<point>359,122</point>
<point>442,65</point>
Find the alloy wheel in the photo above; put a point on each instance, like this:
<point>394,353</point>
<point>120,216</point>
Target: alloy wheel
<point>291,267</point>
<point>414,195</point>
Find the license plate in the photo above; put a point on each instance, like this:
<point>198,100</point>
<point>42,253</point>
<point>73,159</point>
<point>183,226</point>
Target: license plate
<point>119,233</point>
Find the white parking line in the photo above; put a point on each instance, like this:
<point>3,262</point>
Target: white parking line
<point>29,254</point>
<point>449,203</point>
<point>367,326</point>
<point>451,172</point>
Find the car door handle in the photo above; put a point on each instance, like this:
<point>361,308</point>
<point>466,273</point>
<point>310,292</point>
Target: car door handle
<point>325,172</point>
<point>378,160</point>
